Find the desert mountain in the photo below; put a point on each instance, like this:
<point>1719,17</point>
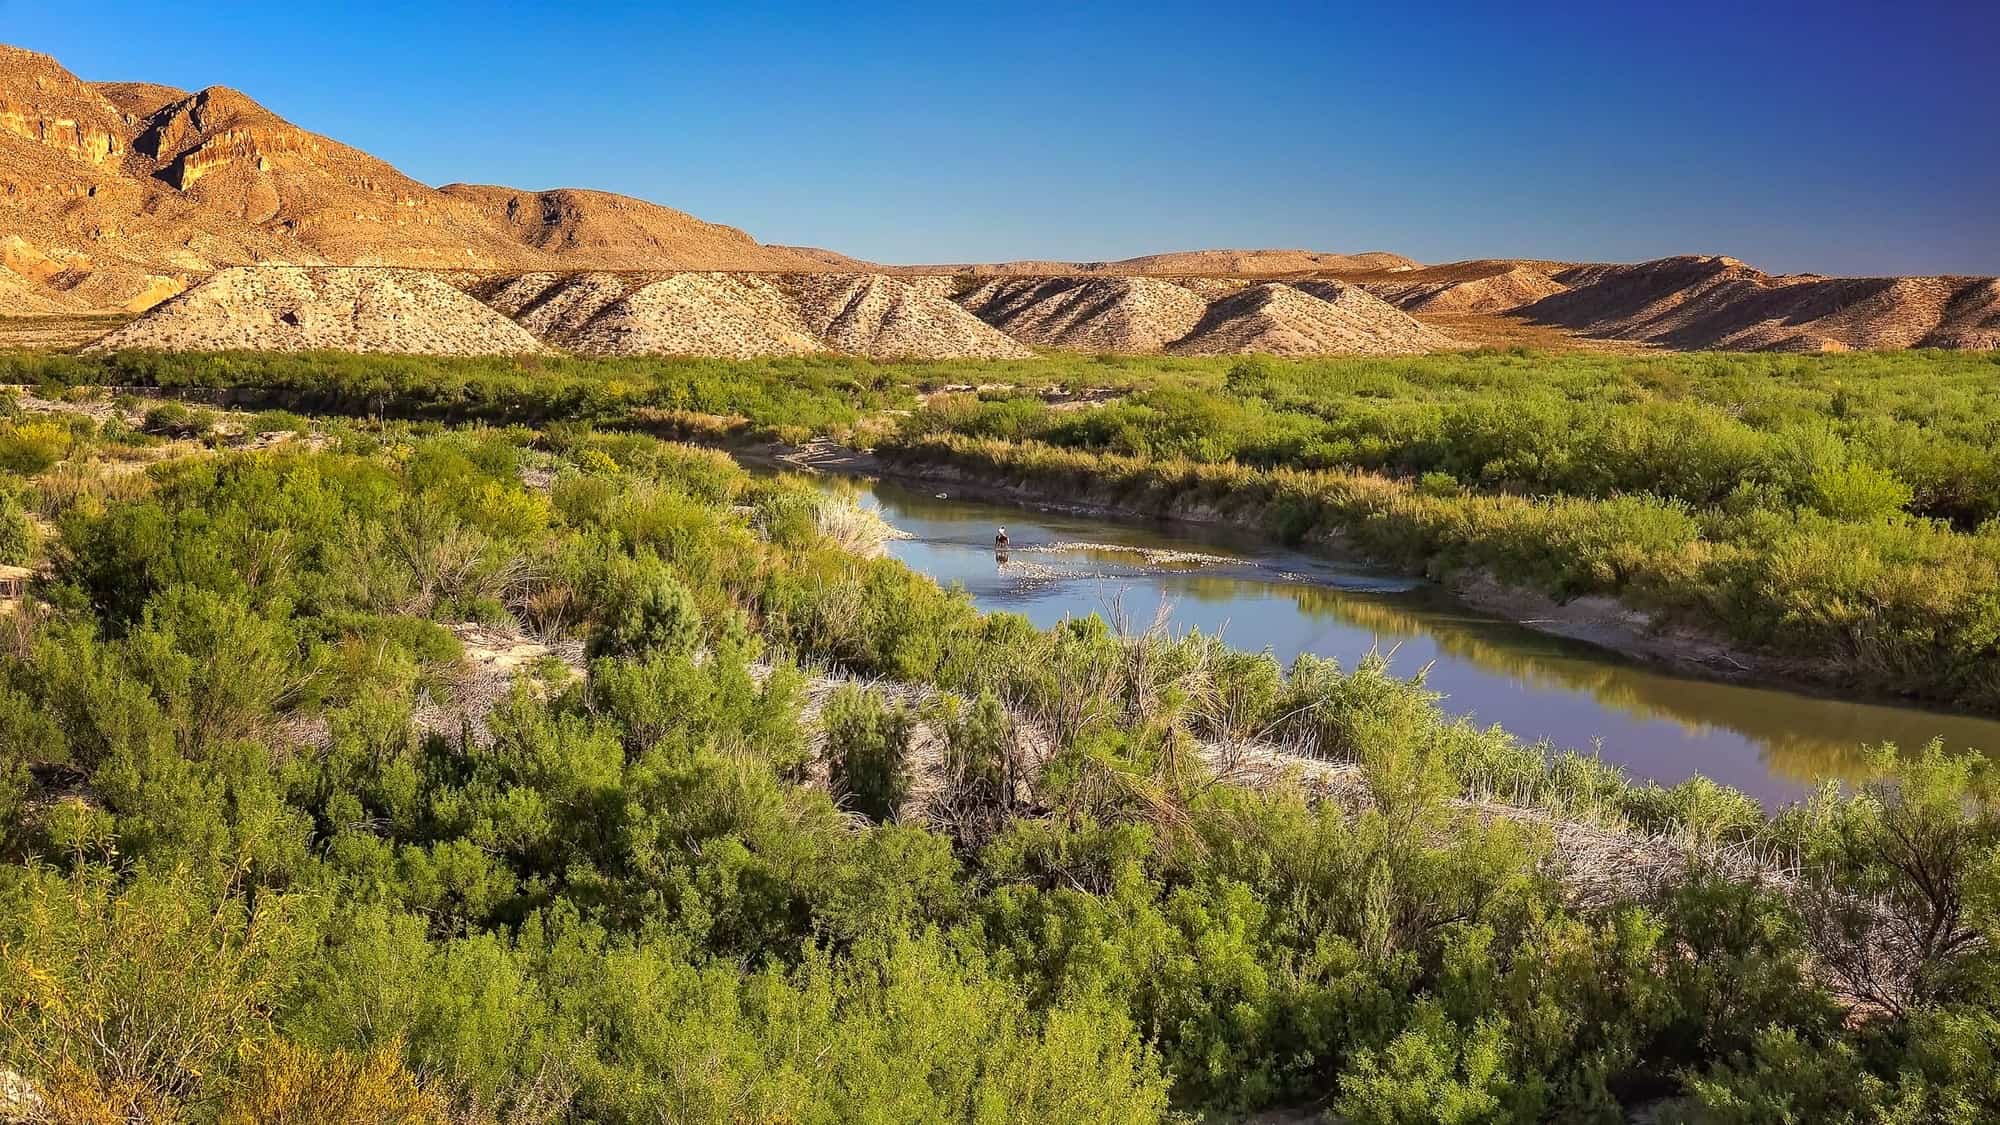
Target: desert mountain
<point>230,156</point>
<point>1335,318</point>
<point>1091,314</point>
<point>134,190</point>
<point>600,230</point>
<point>118,195</point>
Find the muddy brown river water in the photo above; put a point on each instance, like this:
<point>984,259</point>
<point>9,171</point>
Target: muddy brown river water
<point>1771,743</point>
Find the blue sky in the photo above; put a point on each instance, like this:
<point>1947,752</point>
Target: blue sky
<point>1833,137</point>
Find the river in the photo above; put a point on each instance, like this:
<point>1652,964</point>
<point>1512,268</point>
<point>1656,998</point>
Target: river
<point>1770,743</point>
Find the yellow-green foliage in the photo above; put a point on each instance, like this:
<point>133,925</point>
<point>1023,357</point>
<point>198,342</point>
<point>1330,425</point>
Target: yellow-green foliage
<point>238,882</point>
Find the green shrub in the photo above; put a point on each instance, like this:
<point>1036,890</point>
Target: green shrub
<point>868,751</point>
<point>28,448</point>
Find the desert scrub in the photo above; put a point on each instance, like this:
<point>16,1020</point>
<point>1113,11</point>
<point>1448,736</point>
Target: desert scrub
<point>238,874</point>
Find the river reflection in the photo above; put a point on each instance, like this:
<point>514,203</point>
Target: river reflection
<point>1772,744</point>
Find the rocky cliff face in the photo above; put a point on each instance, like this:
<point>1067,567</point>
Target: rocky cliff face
<point>216,129</point>
<point>43,103</point>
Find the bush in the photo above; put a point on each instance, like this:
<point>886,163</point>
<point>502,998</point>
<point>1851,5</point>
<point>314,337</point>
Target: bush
<point>647,610</point>
<point>28,448</point>
<point>868,749</point>
<point>17,531</point>
<point>178,420</point>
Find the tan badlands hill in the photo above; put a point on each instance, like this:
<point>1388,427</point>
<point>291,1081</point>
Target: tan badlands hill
<point>336,308</point>
<point>1333,319</point>
<point>1489,286</point>
<point>739,316</point>
<point>743,315</point>
<point>1718,302</point>
<point>887,317</point>
<point>1185,263</point>
<point>1091,314</point>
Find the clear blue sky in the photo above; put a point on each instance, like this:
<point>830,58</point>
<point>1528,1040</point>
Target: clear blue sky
<point>1836,137</point>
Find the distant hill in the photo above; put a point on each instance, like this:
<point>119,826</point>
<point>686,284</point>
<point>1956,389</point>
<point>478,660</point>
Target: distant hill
<point>1187,263</point>
<point>599,230</point>
<point>1719,302</point>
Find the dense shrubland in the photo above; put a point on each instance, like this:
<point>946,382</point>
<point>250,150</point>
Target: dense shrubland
<point>1841,513</point>
<point>241,885</point>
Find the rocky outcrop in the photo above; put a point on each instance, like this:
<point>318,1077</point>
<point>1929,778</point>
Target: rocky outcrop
<point>42,103</point>
<point>217,129</point>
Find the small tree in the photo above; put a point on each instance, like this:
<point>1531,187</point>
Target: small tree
<point>1897,882</point>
